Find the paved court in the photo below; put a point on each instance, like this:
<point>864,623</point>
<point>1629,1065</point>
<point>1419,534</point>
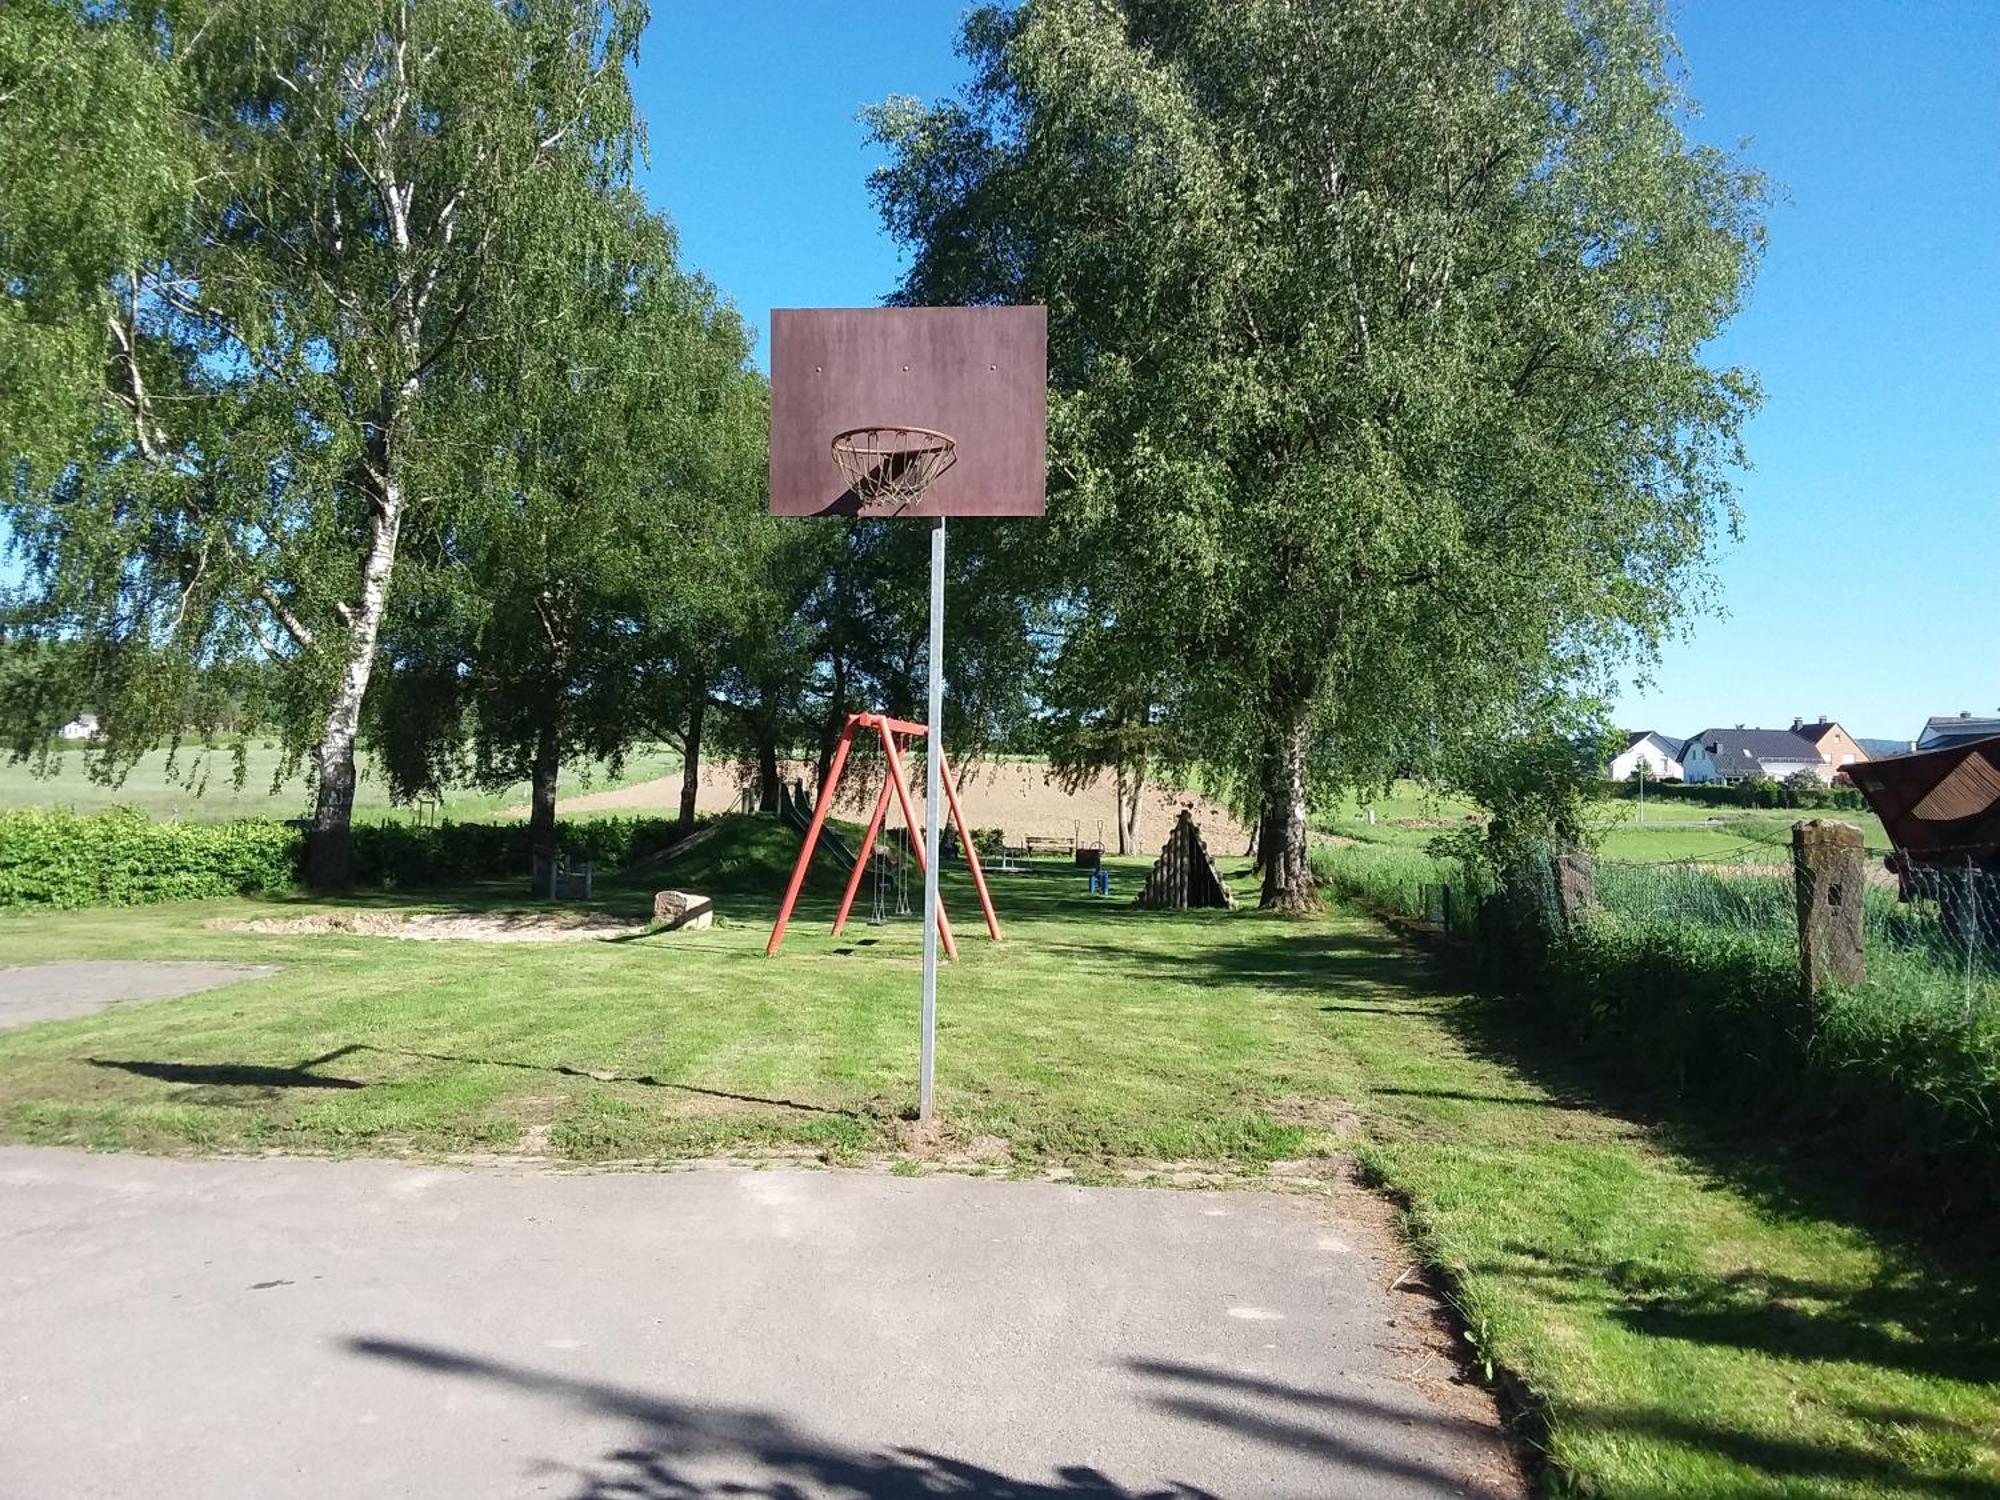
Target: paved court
<point>311,1328</point>
<point>81,987</point>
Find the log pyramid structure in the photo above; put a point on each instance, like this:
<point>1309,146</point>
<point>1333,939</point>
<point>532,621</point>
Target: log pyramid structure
<point>1184,875</point>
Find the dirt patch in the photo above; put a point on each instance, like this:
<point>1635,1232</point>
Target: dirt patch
<point>1328,1117</point>
<point>1018,797</point>
<point>1875,874</point>
<point>463,927</point>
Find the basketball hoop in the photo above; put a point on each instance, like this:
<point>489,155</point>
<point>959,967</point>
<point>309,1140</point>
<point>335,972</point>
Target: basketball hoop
<point>888,469</point>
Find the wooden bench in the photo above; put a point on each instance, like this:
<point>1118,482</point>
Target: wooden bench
<point>1037,843</point>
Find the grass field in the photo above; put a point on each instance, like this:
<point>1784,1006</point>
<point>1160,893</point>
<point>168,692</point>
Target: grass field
<point>1685,1320</point>
<point>199,786</point>
<point>1409,814</point>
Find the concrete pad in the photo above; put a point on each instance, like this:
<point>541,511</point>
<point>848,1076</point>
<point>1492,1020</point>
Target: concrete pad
<point>312,1328</point>
<point>82,987</point>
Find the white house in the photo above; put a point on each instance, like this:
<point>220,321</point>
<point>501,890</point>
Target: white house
<point>82,727</point>
<point>1745,754</point>
<point>1658,754</point>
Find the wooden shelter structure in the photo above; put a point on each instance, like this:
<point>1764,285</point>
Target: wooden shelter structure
<point>1939,807</point>
<point>1184,875</point>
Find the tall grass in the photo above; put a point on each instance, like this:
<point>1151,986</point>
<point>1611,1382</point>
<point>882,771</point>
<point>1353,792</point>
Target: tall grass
<point>1687,979</point>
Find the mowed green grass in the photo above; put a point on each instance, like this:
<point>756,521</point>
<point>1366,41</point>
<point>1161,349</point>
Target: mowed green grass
<point>198,785</point>
<point>1684,1325</point>
<point>1669,832</point>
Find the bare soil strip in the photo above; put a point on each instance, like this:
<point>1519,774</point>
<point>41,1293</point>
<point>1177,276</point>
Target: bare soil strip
<point>1017,797</point>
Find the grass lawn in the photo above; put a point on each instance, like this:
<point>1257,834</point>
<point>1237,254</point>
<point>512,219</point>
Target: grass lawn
<point>198,786</point>
<point>1409,814</point>
<point>1687,1323</point>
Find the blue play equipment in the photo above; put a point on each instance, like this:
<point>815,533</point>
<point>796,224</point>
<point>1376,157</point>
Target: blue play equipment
<point>1100,882</point>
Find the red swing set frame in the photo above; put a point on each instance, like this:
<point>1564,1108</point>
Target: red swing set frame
<point>891,730</point>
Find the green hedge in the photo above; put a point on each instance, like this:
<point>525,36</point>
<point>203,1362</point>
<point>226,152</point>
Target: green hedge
<point>1752,792</point>
<point>403,855</point>
<point>1902,1072</point>
<point>121,858</point>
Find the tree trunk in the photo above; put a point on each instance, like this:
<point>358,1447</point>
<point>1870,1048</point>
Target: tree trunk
<point>769,786</point>
<point>1260,818</point>
<point>691,758</point>
<point>329,840</point>
<point>1131,788</point>
<point>542,813</point>
<point>1288,877</point>
<point>831,726</point>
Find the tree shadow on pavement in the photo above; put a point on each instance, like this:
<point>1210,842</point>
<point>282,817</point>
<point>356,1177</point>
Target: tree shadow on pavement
<point>690,1451</point>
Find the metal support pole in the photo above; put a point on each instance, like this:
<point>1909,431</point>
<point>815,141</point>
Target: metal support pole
<point>933,825</point>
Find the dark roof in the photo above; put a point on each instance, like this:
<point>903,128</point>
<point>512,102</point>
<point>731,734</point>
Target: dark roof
<point>1743,752</point>
<point>1816,729</point>
<point>1959,729</point>
<point>1878,748</point>
<point>1941,805</point>
<point>1665,742</point>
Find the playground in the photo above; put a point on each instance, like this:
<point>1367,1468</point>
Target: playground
<point>679,1043</point>
<point>1619,1259</point>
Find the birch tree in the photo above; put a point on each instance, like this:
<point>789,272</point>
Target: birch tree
<point>281,372</point>
<point>617,517</point>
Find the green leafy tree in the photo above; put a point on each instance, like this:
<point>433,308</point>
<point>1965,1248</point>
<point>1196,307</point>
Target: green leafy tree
<point>283,370</point>
<point>618,502</point>
<point>1376,338</point>
<point>94,171</point>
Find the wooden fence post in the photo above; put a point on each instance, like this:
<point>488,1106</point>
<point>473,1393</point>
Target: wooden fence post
<point>1830,881</point>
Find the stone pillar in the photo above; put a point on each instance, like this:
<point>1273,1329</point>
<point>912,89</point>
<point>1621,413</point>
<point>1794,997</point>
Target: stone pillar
<point>1829,878</point>
<point>1576,888</point>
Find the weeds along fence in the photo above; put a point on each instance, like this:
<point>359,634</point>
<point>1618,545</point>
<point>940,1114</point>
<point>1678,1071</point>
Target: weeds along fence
<point>1688,977</point>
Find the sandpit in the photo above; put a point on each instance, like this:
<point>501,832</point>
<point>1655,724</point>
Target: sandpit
<point>437,927</point>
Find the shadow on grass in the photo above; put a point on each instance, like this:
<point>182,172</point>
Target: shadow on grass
<point>683,1450</point>
<point>1933,1310</point>
<point>301,1076</point>
<point>1917,1317</point>
<point>226,1075</point>
<point>1516,1101</point>
<point>602,1075</point>
<point>1830,1468</point>
<point>1312,962</point>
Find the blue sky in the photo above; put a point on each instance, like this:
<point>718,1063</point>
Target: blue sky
<point>1864,587</point>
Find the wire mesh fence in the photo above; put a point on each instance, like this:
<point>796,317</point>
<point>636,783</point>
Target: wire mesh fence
<point>1732,983</point>
<point>1949,918</point>
<point>1933,927</point>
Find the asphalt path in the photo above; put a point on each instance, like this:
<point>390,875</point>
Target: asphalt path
<point>82,987</point>
<point>304,1328</point>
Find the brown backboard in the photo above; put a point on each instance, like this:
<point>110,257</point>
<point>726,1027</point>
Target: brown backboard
<point>978,373</point>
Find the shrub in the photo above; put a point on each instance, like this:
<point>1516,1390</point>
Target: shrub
<point>404,855</point>
<point>1687,980</point>
<point>1794,793</point>
<point>121,858</point>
